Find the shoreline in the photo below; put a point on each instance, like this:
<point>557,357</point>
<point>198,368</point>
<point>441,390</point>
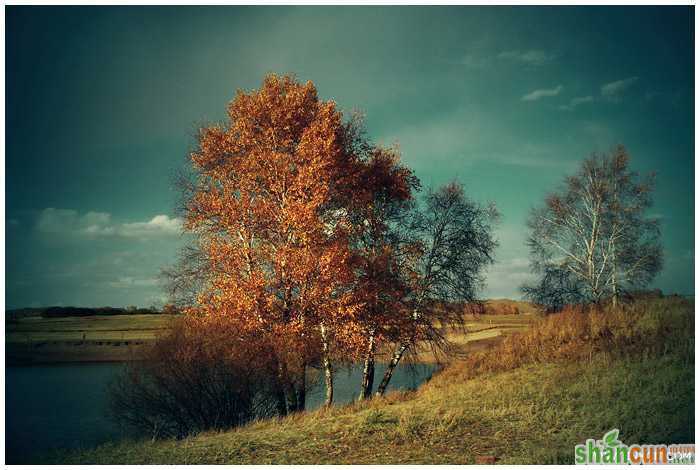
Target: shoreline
<point>39,341</point>
<point>68,353</point>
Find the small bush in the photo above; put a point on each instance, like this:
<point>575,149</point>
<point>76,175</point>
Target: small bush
<point>195,378</point>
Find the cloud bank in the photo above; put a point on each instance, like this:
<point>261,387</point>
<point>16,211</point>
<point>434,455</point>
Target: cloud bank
<point>613,90</point>
<point>69,222</point>
<point>534,57</point>
<point>542,93</point>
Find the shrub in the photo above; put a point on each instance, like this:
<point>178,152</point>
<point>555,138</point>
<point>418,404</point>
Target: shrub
<point>197,377</point>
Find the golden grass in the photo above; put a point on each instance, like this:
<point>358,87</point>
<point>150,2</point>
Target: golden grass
<point>644,327</point>
<point>530,399</point>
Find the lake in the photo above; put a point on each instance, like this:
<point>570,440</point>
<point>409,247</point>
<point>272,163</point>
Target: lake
<point>65,406</point>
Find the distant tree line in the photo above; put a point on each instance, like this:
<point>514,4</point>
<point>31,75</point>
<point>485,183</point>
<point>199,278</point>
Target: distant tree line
<point>58,312</point>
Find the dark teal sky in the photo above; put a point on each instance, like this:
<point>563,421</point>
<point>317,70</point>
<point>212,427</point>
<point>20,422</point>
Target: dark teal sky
<point>102,103</point>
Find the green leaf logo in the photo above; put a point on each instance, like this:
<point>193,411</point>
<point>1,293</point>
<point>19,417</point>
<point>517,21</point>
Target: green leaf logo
<point>610,438</point>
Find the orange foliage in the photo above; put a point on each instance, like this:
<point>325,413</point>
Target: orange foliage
<point>277,248</point>
<point>284,192</point>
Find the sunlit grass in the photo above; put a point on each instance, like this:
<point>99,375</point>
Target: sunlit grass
<point>574,378</point>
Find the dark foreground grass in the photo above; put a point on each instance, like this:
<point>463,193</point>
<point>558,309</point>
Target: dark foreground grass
<point>532,410</point>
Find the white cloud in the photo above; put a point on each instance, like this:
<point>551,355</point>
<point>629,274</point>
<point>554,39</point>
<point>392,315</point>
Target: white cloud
<point>70,222</point>
<point>480,59</point>
<point>535,57</point>
<point>467,137</point>
<point>542,93</point>
<point>157,226</point>
<point>613,90</point>
<point>577,101</point>
<point>58,221</point>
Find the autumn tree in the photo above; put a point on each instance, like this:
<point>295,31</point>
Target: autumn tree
<point>380,287</point>
<point>272,241</point>
<point>449,244</point>
<point>592,238</point>
<point>306,236</point>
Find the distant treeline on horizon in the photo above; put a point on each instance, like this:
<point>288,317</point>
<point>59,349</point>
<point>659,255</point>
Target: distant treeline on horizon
<point>59,312</point>
<point>489,306</point>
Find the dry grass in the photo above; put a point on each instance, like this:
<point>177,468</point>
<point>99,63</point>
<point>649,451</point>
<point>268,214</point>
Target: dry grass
<point>528,400</point>
<point>644,328</point>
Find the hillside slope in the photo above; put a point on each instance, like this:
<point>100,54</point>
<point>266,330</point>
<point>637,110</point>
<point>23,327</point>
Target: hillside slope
<point>529,400</point>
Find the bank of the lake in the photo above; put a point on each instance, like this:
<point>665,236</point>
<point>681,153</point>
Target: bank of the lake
<point>570,377</point>
<point>60,368</point>
<point>117,338</point>
<point>65,406</point>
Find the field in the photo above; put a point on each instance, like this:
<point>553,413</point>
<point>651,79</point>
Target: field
<point>91,328</point>
<point>529,399</point>
<point>35,339</point>
<point>92,338</point>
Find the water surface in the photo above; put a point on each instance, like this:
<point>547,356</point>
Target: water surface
<point>65,406</point>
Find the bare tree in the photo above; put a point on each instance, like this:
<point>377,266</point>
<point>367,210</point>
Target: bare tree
<point>185,278</point>
<point>635,238</point>
<point>591,240</point>
<point>455,242</point>
<point>555,288</point>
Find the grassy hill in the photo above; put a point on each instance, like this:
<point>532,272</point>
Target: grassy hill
<point>528,399</point>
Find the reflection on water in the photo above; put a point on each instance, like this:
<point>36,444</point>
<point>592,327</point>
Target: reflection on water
<point>65,406</point>
<point>346,383</point>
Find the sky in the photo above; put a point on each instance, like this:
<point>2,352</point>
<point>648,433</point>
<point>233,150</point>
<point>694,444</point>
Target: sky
<point>102,104</point>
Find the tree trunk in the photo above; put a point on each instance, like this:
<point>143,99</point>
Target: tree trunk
<point>301,390</point>
<point>286,398</point>
<point>327,367</point>
<point>613,251</point>
<point>390,369</point>
<point>292,403</point>
<point>368,370</point>
<point>280,395</point>
<point>281,401</point>
<point>615,294</point>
